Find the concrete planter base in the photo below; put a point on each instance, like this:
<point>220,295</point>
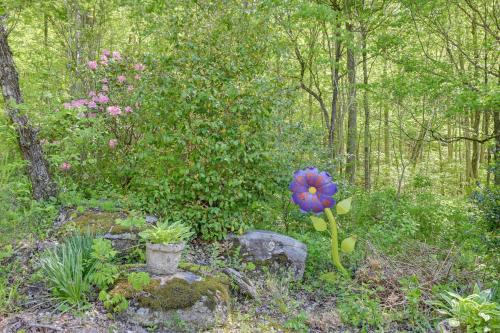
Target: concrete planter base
<point>163,258</point>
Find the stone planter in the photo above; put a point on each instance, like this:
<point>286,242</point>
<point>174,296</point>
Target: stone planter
<point>163,258</point>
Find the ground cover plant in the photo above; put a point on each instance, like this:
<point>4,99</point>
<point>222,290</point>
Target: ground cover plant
<point>367,130</point>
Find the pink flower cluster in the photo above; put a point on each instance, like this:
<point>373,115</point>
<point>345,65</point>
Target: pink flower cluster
<point>90,103</point>
<point>65,166</point>
<point>114,110</point>
<point>104,59</point>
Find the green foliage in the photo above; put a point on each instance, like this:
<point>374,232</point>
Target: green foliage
<point>72,268</point>
<point>105,271</point>
<point>360,310</point>
<point>133,221</point>
<point>68,270</point>
<point>139,280</point>
<point>298,323</point>
<point>115,303</point>
<point>167,233</point>
<point>474,313</point>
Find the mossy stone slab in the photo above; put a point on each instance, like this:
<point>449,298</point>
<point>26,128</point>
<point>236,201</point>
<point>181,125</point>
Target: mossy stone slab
<point>182,302</point>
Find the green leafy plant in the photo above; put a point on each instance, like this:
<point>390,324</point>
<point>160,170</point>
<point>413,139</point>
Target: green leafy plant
<point>105,271</point>
<point>164,233</point>
<point>474,313</point>
<point>68,269</point>
<point>139,280</point>
<point>113,302</point>
<point>298,323</point>
<point>134,221</point>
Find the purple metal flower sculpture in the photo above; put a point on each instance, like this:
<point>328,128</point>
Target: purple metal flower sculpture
<point>313,190</point>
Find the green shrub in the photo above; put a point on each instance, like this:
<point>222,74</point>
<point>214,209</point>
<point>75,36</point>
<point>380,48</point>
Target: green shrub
<point>474,313</point>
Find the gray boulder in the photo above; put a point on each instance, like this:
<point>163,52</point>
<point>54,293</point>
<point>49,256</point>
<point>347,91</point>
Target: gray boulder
<point>274,250</point>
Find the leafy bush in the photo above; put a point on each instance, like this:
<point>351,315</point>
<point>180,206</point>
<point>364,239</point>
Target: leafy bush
<point>165,233</point>
<point>474,313</point>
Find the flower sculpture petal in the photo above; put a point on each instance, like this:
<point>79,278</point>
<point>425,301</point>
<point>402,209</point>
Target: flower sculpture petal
<point>313,190</point>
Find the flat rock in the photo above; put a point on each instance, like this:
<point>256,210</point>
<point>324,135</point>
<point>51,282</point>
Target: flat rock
<point>274,250</point>
<point>181,302</point>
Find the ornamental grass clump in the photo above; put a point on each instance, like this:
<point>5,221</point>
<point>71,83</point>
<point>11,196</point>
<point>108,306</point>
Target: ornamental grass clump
<point>312,191</point>
<point>68,269</point>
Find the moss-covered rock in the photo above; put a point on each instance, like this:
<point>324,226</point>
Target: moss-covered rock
<point>102,223</point>
<point>183,301</point>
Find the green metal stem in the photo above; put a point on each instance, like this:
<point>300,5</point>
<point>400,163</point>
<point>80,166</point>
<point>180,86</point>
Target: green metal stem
<point>335,241</point>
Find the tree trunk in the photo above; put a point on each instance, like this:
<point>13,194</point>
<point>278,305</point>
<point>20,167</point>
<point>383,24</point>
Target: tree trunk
<point>352,115</point>
<point>387,152</point>
<point>496,155</point>
<point>476,119</point>
<point>367,139</point>
<point>335,94</point>
<point>38,171</point>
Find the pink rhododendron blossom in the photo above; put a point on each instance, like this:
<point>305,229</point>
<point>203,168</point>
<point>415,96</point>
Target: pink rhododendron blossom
<point>105,81</point>
<point>128,109</point>
<point>121,78</point>
<point>92,93</point>
<point>106,53</point>
<point>67,105</point>
<point>137,77</point>
<point>114,110</point>
<point>92,105</point>
<point>104,58</point>
<point>117,56</point>
<point>65,166</point>
<point>77,103</point>
<point>139,67</point>
<point>130,88</point>
<point>102,99</point>
<point>112,143</point>
<point>92,64</point>
<point>105,88</point>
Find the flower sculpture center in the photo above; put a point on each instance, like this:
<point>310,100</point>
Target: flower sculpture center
<point>312,190</point>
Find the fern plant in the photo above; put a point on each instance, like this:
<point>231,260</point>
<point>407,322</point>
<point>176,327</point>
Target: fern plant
<point>105,272</point>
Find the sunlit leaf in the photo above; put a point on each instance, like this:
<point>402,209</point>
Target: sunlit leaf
<point>318,223</point>
<point>344,206</point>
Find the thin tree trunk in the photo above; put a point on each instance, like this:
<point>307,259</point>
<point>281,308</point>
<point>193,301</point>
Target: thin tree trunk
<point>42,185</point>
<point>496,155</point>
<point>353,112</point>
<point>367,139</point>
<point>387,152</point>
